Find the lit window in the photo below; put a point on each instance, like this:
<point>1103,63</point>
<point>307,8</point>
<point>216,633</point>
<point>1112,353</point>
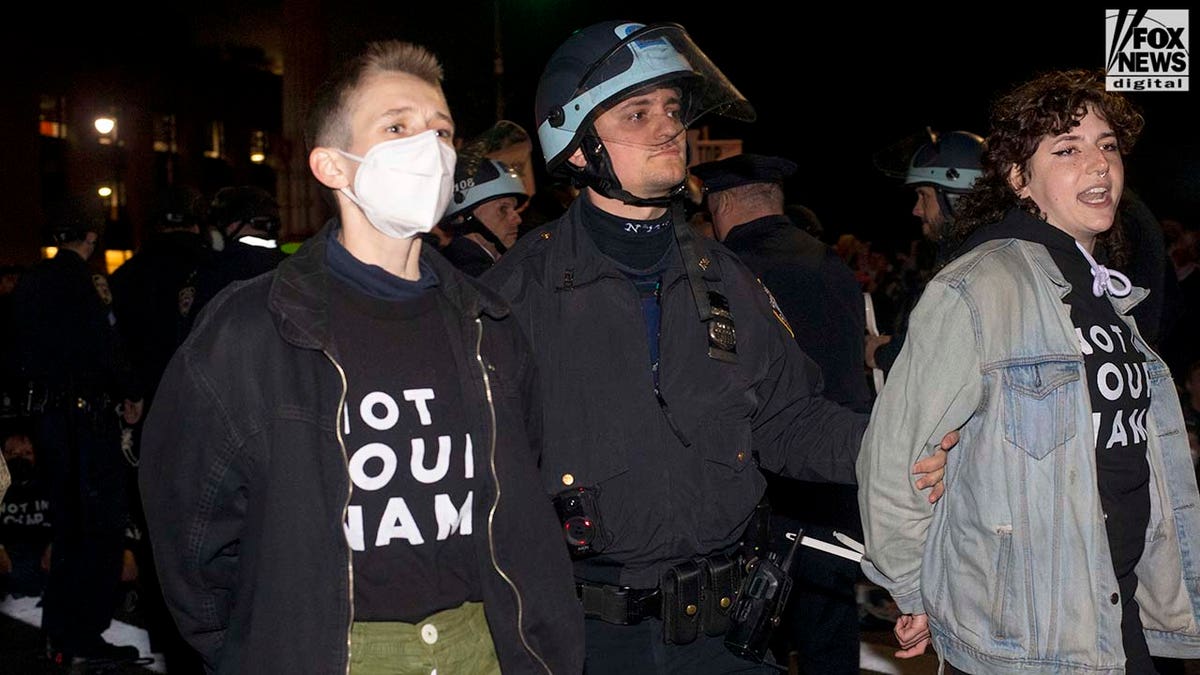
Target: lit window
<point>52,115</point>
<point>164,134</point>
<point>114,258</point>
<point>216,140</point>
<point>258,146</point>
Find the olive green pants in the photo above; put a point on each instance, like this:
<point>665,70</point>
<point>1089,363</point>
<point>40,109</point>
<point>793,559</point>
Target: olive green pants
<point>451,642</point>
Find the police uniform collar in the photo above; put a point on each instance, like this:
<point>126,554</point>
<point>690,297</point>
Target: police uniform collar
<point>578,260</point>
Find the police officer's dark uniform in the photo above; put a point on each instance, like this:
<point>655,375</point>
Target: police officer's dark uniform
<point>667,382</point>
<point>152,291</point>
<point>824,304</point>
<point>77,373</point>
<point>246,218</point>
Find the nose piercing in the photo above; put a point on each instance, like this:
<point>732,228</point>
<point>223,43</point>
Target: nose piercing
<point>1104,172</point>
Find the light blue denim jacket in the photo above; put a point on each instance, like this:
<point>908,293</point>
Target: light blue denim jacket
<point>1012,565</point>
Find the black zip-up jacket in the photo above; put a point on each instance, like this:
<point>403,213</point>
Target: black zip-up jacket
<point>245,483</point>
<point>677,478</point>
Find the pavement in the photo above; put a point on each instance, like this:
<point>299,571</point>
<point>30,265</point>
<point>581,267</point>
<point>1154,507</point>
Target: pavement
<point>22,651</point>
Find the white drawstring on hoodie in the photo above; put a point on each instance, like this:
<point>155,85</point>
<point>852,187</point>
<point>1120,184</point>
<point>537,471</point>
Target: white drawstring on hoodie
<point>1105,280</point>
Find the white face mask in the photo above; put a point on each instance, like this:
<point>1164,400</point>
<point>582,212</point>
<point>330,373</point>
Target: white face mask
<point>404,185</point>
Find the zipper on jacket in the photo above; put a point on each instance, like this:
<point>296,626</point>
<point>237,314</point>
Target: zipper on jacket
<point>491,406</point>
<point>349,493</point>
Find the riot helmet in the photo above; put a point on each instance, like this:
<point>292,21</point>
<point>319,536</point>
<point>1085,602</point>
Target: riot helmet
<point>603,64</point>
<point>244,206</point>
<point>949,163</point>
<point>178,207</point>
<point>71,217</point>
<point>490,181</point>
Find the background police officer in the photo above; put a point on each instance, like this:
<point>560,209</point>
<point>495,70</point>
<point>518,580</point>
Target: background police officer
<point>942,168</point>
<point>484,215</point>
<point>245,227</point>
<point>77,372</point>
<point>823,301</point>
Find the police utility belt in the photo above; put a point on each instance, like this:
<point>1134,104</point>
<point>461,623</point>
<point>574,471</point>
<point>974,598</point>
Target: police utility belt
<point>42,397</point>
<point>692,597</point>
<point>92,406</point>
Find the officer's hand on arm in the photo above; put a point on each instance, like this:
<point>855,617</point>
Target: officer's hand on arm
<point>131,411</point>
<point>933,468</point>
<point>912,632</point>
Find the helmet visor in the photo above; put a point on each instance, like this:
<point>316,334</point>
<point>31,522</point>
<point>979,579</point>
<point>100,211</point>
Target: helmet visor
<point>646,58</point>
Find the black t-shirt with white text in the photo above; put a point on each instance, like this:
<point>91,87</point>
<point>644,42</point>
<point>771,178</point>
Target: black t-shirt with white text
<point>1119,386</point>
<point>411,455</point>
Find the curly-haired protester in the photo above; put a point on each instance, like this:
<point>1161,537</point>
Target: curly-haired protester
<point>1074,483</point>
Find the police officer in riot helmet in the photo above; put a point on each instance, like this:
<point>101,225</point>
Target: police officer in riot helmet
<point>942,168</point>
<point>483,217</point>
<point>244,221</point>
<point>244,213</point>
<point>666,373</point>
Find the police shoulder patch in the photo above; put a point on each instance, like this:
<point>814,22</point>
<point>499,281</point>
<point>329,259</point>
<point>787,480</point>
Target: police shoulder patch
<point>776,311</point>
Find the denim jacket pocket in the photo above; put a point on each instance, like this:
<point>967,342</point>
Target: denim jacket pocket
<point>1039,405</point>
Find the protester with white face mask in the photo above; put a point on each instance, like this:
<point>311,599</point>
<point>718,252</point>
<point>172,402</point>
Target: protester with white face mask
<point>404,185</point>
<point>340,474</point>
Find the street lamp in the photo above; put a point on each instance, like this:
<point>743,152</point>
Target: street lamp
<point>107,128</point>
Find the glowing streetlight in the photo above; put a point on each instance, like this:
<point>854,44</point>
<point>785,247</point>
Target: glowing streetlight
<point>105,125</point>
<point>104,191</point>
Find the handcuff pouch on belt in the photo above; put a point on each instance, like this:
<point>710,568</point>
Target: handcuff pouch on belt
<point>681,589</point>
<point>693,597</point>
<point>697,595</point>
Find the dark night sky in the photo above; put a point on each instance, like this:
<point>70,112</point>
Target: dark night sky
<point>831,86</point>
<point>836,84</point>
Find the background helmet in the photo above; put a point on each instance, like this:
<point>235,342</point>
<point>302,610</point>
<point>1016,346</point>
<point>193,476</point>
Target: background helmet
<point>492,180</point>
<point>71,217</point>
<point>245,204</point>
<point>178,206</point>
<point>949,161</point>
<point>602,64</point>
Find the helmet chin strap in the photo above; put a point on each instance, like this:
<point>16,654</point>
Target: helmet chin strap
<point>597,173</point>
<point>476,225</point>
